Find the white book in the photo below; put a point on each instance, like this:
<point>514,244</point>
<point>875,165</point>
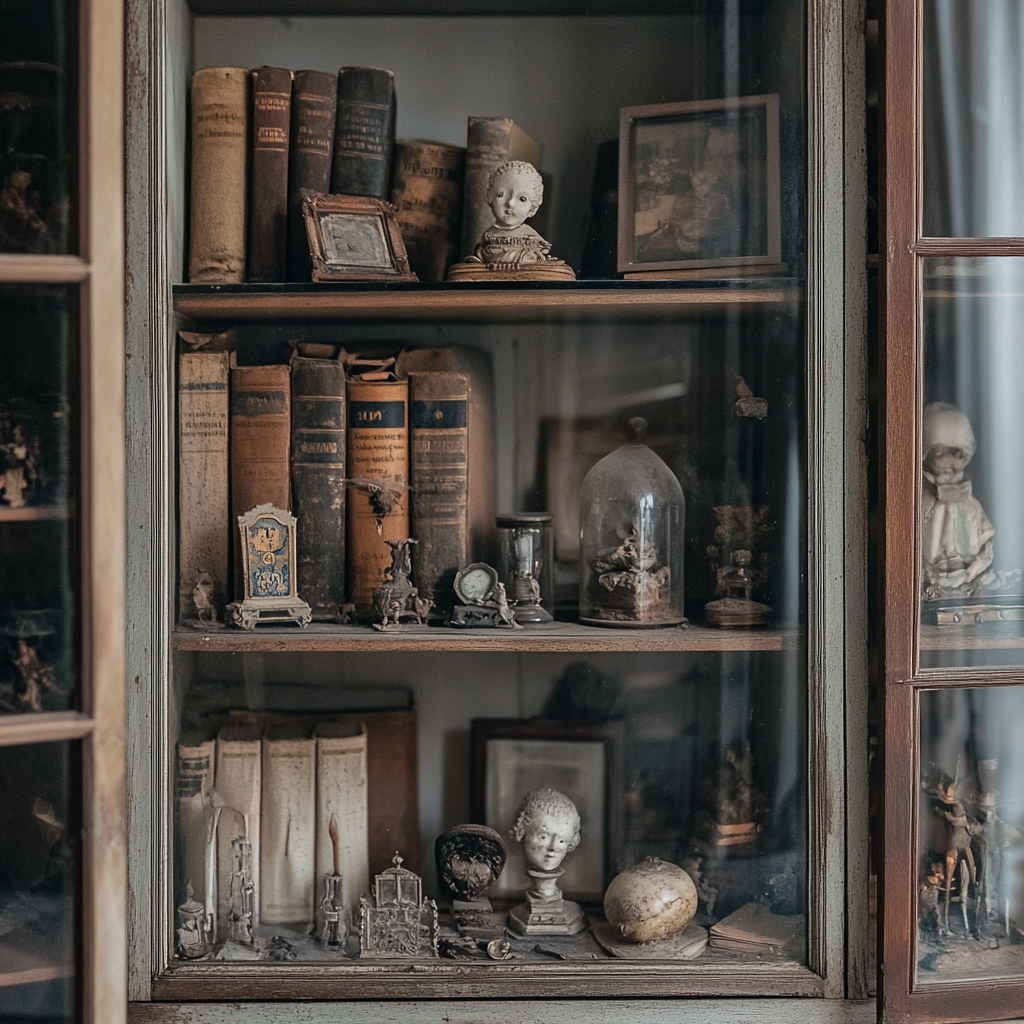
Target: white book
<point>288,827</point>
<point>197,817</point>
<point>239,786</point>
<point>341,797</point>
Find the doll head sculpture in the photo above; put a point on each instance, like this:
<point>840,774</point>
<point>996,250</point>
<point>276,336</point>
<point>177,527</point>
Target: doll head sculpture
<point>515,191</point>
<point>548,826</point>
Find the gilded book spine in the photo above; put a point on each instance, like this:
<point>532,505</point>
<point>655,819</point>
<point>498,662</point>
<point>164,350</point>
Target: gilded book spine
<point>202,476</point>
<point>364,133</point>
<point>268,193</point>
<point>378,473</point>
<point>318,482</point>
<point>220,135</point>
<point>439,447</point>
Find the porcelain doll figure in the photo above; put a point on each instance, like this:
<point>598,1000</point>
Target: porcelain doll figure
<point>956,535</point>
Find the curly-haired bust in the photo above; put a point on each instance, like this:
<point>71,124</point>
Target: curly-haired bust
<point>515,191</point>
<point>548,826</point>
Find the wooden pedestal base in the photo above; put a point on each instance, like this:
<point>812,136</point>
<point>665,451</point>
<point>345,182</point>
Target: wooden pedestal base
<point>549,270</point>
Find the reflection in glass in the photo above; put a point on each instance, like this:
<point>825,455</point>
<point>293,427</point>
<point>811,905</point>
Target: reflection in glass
<point>970,903</point>
<point>39,864</point>
<point>973,159</point>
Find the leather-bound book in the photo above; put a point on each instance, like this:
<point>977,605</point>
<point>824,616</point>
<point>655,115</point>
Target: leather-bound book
<point>314,103</point>
<point>426,191</point>
<point>318,482</point>
<point>220,138</point>
<point>364,133</point>
<point>378,474</point>
<point>439,465</point>
<point>268,188</point>
<point>490,141</point>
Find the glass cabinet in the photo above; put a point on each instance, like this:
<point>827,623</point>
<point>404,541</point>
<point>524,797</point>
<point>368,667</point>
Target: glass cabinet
<point>669,645</point>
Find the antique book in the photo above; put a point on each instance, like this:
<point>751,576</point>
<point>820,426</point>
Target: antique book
<point>318,482</point>
<point>314,103</point>
<point>196,815</point>
<point>490,141</point>
<point>268,176</point>
<point>288,826</point>
<point>203,535</point>
<point>342,815</point>
<point>439,478</point>
<point>239,786</point>
<point>755,929</point>
<point>220,138</point>
<point>378,474</point>
<point>426,192</point>
<point>260,439</point>
<point>364,133</point>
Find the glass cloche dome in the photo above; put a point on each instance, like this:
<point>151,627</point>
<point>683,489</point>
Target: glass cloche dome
<point>632,516</point>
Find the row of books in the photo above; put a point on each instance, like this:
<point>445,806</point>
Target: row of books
<point>360,458</point>
<point>263,140</point>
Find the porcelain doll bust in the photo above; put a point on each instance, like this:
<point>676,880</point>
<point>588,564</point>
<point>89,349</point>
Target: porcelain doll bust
<point>956,535</point>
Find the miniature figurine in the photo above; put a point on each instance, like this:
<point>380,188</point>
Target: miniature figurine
<point>733,807</point>
<point>747,403</point>
<point>548,826</point>
<point>396,598</point>
<point>18,470</point>
<point>195,928</point>
<point>469,860</point>
<point>242,913</point>
<point>484,602</point>
<point>396,919</point>
<point>510,249</point>
<point>22,229</point>
<point>738,535</point>
<point>998,836</point>
<point>631,582</point>
<point>332,922</point>
<point>33,678</point>
<point>202,598</point>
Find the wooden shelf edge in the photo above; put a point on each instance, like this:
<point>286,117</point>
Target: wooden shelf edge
<point>968,638</point>
<point>32,513</point>
<point>35,975</point>
<point>29,268</point>
<point>43,727</point>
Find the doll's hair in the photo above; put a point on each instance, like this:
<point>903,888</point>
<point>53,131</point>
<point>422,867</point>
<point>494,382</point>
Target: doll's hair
<point>534,186</point>
<point>547,801</point>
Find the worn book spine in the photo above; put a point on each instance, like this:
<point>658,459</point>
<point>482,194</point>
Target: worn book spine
<point>490,141</point>
<point>260,442</point>
<point>288,827</point>
<point>364,133</point>
<point>318,482</point>
<point>220,137</point>
<point>194,793</point>
<point>268,178</point>
<point>439,477</point>
<point>378,474</point>
<point>314,104</point>
<point>203,536</point>
<point>341,799</point>
<point>426,191</point>
<point>239,786</point>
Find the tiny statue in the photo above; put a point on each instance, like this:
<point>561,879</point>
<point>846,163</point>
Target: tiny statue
<point>470,859</point>
<point>202,598</point>
<point>33,678</point>
<point>548,826</point>
<point>484,602</point>
<point>738,535</point>
<point>332,921</point>
<point>242,912</point>
<point>396,598</point>
<point>22,228</point>
<point>510,250</point>
<point>733,807</point>
<point>397,921</point>
<point>269,568</point>
<point>18,468</point>
<point>748,405</point>
<point>195,928</point>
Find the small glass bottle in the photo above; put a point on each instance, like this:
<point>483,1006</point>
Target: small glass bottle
<point>525,566</point>
<point>632,517</point>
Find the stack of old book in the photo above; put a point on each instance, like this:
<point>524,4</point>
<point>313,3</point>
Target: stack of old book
<point>755,929</point>
<point>264,140</point>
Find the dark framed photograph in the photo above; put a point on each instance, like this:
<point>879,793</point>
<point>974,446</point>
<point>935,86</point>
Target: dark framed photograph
<point>513,756</point>
<point>699,185</point>
<point>355,238</point>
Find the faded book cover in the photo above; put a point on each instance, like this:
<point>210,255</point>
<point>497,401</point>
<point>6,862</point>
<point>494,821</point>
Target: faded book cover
<point>490,141</point>
<point>364,133</point>
<point>378,474</point>
<point>439,477</point>
<point>203,535</point>
<point>288,827</point>
<point>426,192</point>
<point>220,137</point>
<point>342,814</point>
<point>194,797</point>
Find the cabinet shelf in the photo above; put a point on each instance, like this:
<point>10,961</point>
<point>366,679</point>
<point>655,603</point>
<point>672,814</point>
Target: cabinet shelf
<point>558,638</point>
<point>993,636</point>
<point>32,513</point>
<point>580,300</point>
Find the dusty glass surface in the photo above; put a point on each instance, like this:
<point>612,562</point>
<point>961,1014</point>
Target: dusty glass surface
<point>40,865</point>
<point>970,902</point>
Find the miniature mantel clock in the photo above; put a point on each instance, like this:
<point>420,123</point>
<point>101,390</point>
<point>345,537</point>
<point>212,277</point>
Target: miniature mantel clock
<point>484,602</point>
<point>268,562</point>
<point>396,920</point>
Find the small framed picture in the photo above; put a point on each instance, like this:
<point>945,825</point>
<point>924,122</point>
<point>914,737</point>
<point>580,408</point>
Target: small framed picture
<point>699,185</point>
<point>355,238</point>
<point>513,756</point>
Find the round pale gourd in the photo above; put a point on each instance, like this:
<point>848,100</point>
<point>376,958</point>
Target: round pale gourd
<point>651,900</point>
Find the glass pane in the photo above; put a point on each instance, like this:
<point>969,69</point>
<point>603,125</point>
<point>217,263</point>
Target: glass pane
<point>38,138</point>
<point>971,845</point>
<point>38,346</point>
<point>974,52</point>
<point>40,869</point>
